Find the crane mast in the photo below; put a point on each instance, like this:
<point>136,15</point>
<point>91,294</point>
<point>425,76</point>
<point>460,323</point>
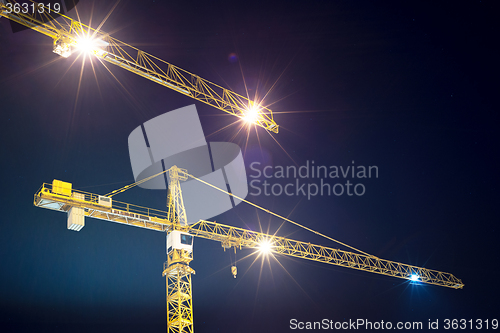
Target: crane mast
<point>70,35</point>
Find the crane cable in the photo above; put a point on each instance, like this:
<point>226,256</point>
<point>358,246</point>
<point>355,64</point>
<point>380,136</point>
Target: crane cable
<point>282,217</point>
<point>123,189</point>
<point>127,187</point>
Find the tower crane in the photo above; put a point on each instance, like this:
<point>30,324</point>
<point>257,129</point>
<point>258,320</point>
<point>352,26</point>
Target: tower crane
<point>77,204</point>
<point>70,35</point>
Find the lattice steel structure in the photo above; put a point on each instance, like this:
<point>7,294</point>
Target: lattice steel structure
<point>176,269</point>
<point>176,212</point>
<point>179,292</point>
<point>241,238</point>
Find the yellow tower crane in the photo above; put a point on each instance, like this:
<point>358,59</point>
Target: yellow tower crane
<point>61,197</point>
<point>70,35</point>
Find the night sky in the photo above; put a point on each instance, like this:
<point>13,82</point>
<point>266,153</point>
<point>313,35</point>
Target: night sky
<point>408,87</point>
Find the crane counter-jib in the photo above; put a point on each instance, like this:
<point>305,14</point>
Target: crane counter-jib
<point>53,196</point>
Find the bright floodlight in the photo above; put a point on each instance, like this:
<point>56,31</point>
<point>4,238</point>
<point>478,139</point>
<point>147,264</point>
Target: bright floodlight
<point>92,45</point>
<point>414,277</point>
<point>251,114</point>
<point>86,44</point>
<point>265,246</point>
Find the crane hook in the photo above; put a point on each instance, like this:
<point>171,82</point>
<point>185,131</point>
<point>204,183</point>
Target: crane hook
<point>234,270</point>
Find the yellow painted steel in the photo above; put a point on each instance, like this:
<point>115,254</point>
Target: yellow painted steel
<point>175,203</point>
<point>68,34</point>
<point>120,212</point>
<point>179,292</point>
<point>241,238</point>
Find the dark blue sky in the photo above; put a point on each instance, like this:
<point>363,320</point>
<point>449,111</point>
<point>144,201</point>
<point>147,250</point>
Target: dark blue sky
<point>407,87</point>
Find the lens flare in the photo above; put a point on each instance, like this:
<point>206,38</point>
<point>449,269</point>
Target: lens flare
<point>252,114</point>
<point>265,247</point>
<point>86,44</point>
<point>89,45</point>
